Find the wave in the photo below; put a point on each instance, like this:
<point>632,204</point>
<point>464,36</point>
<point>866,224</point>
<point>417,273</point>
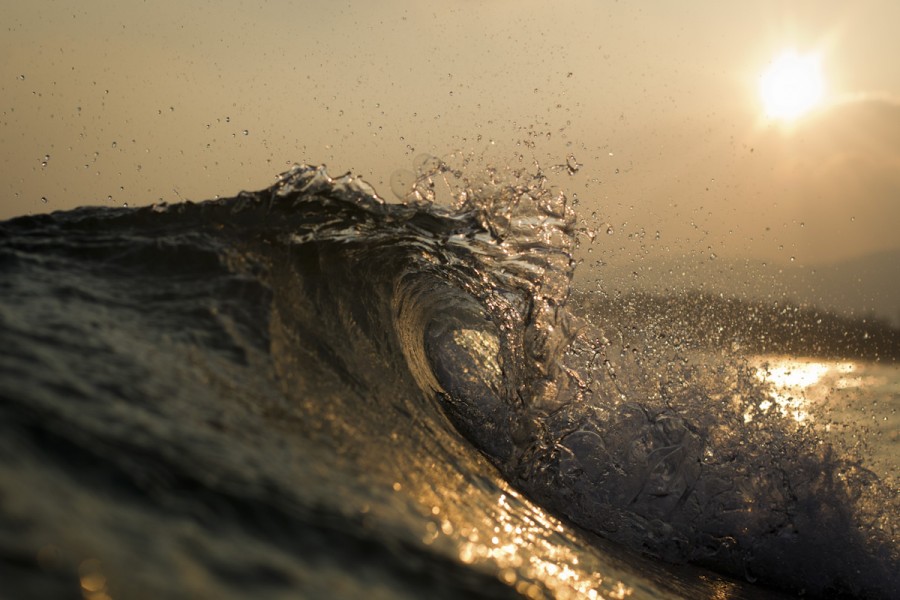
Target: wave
<point>344,318</point>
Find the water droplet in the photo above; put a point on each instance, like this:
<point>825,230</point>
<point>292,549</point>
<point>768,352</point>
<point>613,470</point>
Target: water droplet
<point>572,164</point>
<point>114,144</point>
<point>402,183</point>
<point>21,78</point>
<point>125,204</point>
<point>43,199</point>
<point>610,230</point>
<point>246,132</point>
<point>793,259</point>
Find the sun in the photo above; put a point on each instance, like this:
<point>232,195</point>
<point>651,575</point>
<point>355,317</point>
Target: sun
<point>791,86</point>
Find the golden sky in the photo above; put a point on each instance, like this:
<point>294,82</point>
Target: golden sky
<point>107,102</point>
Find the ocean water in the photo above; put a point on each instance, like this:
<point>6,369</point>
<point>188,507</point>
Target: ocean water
<point>309,392</point>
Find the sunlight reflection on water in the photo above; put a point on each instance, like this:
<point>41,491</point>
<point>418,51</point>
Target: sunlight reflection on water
<point>851,398</point>
<point>791,380</point>
<point>529,546</point>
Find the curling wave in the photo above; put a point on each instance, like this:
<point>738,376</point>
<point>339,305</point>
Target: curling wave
<point>351,319</point>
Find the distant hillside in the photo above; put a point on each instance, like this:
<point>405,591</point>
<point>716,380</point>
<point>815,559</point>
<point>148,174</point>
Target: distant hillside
<point>703,321</point>
<point>866,287</point>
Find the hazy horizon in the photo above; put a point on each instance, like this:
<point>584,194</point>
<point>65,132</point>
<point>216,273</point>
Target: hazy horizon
<point>107,103</point>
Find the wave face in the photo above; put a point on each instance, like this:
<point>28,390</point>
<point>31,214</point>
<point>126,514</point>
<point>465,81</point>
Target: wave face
<point>307,389</point>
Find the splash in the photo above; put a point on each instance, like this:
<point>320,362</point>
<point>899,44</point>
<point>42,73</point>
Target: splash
<point>666,450</point>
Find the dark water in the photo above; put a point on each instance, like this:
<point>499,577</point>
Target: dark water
<point>307,392</point>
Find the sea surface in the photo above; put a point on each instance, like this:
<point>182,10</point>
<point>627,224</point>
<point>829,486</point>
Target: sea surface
<point>309,392</point>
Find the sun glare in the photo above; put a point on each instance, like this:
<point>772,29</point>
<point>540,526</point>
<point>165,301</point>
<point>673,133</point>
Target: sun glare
<point>791,86</point>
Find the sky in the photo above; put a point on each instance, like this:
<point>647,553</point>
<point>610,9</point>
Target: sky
<point>107,102</point>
